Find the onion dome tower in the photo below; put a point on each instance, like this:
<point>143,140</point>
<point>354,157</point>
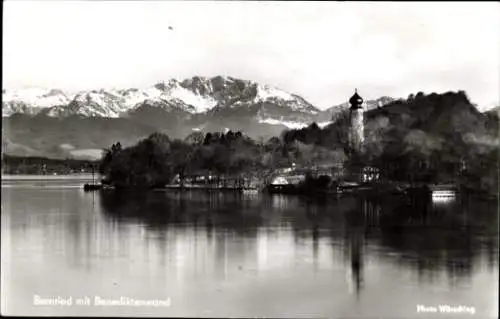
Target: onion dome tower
<point>356,128</point>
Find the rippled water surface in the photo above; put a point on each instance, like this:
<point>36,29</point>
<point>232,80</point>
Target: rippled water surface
<point>221,255</point>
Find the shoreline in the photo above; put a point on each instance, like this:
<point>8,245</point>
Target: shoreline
<point>365,190</point>
<point>35,177</point>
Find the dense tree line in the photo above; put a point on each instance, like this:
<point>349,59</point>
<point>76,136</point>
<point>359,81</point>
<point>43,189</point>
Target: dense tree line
<point>157,159</point>
<point>43,165</point>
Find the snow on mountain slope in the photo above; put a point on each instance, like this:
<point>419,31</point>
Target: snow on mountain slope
<point>324,124</point>
<point>288,124</point>
<point>37,97</point>
<point>291,124</point>
<point>91,104</point>
<point>103,103</point>
<point>32,100</point>
<point>133,97</point>
<point>265,92</point>
<point>195,95</point>
<point>200,103</point>
<point>294,102</point>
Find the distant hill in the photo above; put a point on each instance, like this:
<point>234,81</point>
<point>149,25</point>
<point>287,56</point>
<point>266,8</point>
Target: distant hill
<point>449,115</point>
<point>493,118</point>
<point>25,135</point>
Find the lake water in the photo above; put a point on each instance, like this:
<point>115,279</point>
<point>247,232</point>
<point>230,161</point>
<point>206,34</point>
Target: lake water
<point>228,255</point>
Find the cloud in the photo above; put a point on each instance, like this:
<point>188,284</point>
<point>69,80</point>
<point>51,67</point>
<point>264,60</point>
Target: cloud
<point>88,154</point>
<point>66,147</point>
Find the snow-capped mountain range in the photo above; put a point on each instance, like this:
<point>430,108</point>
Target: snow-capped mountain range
<point>196,95</point>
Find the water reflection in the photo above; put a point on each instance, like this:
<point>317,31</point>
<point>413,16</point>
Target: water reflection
<point>441,235</point>
<point>425,236</point>
<point>222,254</point>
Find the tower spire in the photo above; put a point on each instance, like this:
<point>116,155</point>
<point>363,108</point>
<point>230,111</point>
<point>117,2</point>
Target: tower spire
<point>356,101</point>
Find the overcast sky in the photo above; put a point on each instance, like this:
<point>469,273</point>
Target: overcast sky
<point>319,50</point>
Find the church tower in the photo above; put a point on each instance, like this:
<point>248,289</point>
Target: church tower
<point>356,128</point>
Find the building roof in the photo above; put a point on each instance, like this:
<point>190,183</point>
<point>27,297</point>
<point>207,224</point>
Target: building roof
<point>288,179</point>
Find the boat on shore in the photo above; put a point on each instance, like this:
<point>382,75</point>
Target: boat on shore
<point>443,191</point>
<point>92,187</point>
<point>96,187</point>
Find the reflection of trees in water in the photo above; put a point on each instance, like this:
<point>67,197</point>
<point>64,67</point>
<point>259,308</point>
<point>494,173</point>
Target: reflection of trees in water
<point>444,236</point>
<point>158,210</point>
<point>425,236</point>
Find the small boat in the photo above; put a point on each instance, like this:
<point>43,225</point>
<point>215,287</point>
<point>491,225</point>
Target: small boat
<point>443,191</point>
<point>92,187</point>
